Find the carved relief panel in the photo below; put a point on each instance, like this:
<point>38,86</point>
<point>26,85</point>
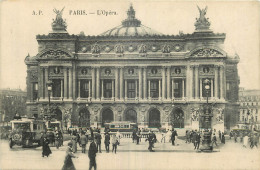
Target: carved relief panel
<point>178,71</point>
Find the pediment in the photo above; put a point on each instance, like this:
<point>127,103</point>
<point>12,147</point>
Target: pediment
<point>202,52</point>
<point>55,54</point>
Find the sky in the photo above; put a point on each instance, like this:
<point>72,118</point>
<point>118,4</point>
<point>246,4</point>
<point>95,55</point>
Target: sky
<point>240,21</point>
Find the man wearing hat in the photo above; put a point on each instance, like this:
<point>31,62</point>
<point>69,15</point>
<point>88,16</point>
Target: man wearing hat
<point>92,154</point>
<point>83,141</point>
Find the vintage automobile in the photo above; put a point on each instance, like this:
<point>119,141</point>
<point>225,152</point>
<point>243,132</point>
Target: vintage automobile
<point>26,131</point>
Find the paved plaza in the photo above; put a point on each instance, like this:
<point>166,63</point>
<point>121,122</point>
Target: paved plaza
<point>131,156</point>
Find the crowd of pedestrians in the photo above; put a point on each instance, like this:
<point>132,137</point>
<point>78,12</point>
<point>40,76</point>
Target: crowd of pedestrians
<point>247,138</point>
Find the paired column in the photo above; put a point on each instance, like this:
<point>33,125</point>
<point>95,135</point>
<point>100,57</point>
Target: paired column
<point>221,75</point>
<point>121,77</point>
<point>136,87</point>
<point>46,69</point>
<point>140,84</point>
<point>70,83</point>
<point>163,83</point>
<point>168,83</point>
<point>102,89</point>
<point>149,89</point>
<point>78,88</point>
<point>116,84</point>
<point>191,82</point>
<point>145,83</point>
<point>196,81</point>
<point>65,83</point>
<point>125,89</point>
<point>200,88</point>
<point>113,89</point>
<point>173,87</point>
<point>211,87</point>
<point>93,71</point>
<point>216,82</point>
<point>160,91</point>
<point>98,83</point>
<point>74,82</point>
<point>61,89</point>
<point>183,91</point>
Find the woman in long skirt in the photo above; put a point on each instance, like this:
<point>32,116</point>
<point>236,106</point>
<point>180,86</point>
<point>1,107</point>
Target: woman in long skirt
<point>68,164</point>
<point>74,144</point>
<point>46,151</point>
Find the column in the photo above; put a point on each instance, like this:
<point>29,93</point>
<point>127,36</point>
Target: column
<point>78,88</point>
<point>46,69</point>
<point>116,84</point>
<point>216,83</point>
<point>102,89</point>
<point>62,89</point>
<point>168,83</point>
<point>160,91</point>
<point>65,83</point>
<point>221,81</point>
<point>74,82</point>
<point>41,84</point>
<point>196,82</point>
<point>125,89</point>
<point>145,83</point>
<point>163,83</point>
<point>149,89</point>
<point>113,89</point>
<point>183,92</point>
<point>98,83</point>
<point>191,82</point>
<point>187,83</point>
<point>93,83</point>
<point>121,83</point>
<point>89,88</point>
<point>140,84</point>
<point>211,88</point>
<point>70,83</point>
<point>136,87</point>
<point>200,89</point>
<point>173,88</point>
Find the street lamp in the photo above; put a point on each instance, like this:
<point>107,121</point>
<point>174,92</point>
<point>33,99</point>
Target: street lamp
<point>49,88</point>
<point>206,143</point>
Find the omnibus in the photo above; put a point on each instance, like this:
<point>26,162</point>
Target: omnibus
<point>26,131</point>
<point>122,126</point>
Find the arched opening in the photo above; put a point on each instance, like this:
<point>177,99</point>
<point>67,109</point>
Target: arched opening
<point>84,118</point>
<point>107,116</point>
<point>154,119</point>
<point>131,115</point>
<point>58,114</point>
<point>177,118</point>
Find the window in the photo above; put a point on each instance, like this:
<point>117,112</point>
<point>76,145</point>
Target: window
<point>56,88</point>
<point>205,82</point>
<point>35,91</point>
<point>84,88</point>
<point>154,91</point>
<point>178,88</point>
<point>107,88</point>
<point>131,89</point>
<point>243,118</point>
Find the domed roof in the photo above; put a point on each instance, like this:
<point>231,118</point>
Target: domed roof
<point>130,27</point>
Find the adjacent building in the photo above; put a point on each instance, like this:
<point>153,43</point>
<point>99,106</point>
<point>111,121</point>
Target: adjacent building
<point>12,102</point>
<point>249,107</point>
<point>133,73</point>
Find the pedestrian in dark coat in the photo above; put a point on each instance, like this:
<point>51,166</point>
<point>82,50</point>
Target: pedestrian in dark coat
<point>134,136</point>
<point>235,137</point>
<point>74,144</point>
<point>57,141</point>
<point>174,133</point>
<point>107,141</point>
<point>46,151</point>
<point>114,143</point>
<point>68,164</point>
<point>194,136</point>
<point>214,140</point>
<point>92,154</point>
<point>223,138</point>
<point>98,140</point>
<point>151,142</point>
<point>83,141</point>
<point>197,141</point>
<point>219,135</point>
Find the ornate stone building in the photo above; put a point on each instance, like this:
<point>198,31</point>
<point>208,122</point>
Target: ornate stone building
<point>133,73</point>
<point>249,113</point>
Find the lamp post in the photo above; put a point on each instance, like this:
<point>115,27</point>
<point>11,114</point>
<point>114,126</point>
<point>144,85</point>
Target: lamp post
<point>206,142</point>
<point>49,88</point>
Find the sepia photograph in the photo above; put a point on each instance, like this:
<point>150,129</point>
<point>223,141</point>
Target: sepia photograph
<point>129,85</point>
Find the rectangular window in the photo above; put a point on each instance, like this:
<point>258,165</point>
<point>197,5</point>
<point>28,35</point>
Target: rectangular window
<point>56,88</point>
<point>178,88</point>
<point>84,88</point>
<point>154,88</point>
<point>35,91</point>
<point>131,89</point>
<point>107,88</point>
<point>206,87</point>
